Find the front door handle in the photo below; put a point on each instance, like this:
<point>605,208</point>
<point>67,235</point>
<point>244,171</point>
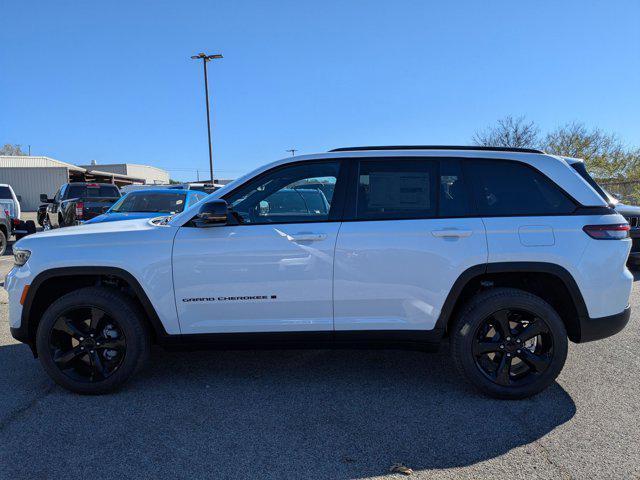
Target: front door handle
<point>451,233</point>
<point>307,237</point>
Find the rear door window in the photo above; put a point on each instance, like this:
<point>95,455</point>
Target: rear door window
<point>502,188</point>
<point>396,189</point>
<point>453,191</point>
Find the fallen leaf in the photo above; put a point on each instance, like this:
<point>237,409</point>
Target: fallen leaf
<point>400,468</point>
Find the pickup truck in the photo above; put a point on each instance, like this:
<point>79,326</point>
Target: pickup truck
<point>75,203</point>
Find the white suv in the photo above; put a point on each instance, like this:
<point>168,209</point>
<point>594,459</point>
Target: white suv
<point>506,252</point>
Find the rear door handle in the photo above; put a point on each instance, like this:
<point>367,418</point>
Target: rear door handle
<point>307,237</point>
<point>451,233</point>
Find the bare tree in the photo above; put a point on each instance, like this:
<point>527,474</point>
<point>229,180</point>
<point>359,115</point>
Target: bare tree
<point>605,154</point>
<point>11,150</point>
<point>514,132</point>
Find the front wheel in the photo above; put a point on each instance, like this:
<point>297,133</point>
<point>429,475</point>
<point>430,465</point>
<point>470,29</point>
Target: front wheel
<point>509,343</point>
<point>92,340</point>
<point>46,223</point>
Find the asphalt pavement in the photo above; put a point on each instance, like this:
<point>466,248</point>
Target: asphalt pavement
<point>321,415</point>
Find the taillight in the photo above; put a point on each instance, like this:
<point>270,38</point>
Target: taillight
<point>607,232</point>
<point>79,209</point>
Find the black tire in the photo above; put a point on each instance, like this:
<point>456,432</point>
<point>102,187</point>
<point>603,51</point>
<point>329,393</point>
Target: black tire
<point>478,343</point>
<point>30,226</point>
<point>124,325</point>
<point>3,242</point>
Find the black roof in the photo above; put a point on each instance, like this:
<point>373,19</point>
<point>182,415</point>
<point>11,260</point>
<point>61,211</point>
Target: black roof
<point>437,147</point>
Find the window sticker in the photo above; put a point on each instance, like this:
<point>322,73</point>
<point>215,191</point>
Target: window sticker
<point>405,191</point>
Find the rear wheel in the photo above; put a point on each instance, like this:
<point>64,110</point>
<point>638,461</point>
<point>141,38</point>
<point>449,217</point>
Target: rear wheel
<point>509,343</point>
<point>92,340</point>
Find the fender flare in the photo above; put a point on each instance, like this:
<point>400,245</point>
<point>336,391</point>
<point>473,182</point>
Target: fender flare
<point>511,267</point>
<point>24,331</point>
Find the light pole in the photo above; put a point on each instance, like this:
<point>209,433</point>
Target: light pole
<point>207,58</point>
<point>292,151</point>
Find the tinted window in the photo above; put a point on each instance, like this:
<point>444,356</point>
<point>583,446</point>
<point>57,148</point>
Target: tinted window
<point>151,202</point>
<point>509,188</point>
<point>84,191</point>
<point>453,193</point>
<point>5,192</point>
<point>395,188</point>
<point>286,195</point>
<point>195,198</point>
<point>582,171</point>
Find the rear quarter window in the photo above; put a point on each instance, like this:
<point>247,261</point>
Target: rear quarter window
<point>503,188</point>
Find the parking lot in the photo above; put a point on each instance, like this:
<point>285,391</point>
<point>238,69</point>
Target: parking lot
<point>321,414</point>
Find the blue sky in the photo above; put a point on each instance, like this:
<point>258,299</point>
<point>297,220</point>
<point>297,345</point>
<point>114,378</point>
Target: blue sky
<point>113,81</point>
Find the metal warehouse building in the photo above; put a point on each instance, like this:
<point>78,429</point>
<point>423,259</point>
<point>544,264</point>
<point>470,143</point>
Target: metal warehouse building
<point>31,176</point>
<point>150,175</point>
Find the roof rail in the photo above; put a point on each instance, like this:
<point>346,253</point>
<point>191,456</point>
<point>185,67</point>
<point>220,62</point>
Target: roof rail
<point>438,147</point>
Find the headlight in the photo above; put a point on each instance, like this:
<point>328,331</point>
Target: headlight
<point>20,257</point>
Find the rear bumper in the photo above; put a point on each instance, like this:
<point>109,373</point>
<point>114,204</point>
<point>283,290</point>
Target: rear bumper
<point>603,327</point>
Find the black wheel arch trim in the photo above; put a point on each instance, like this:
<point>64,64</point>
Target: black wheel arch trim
<point>23,332</point>
<point>514,267</point>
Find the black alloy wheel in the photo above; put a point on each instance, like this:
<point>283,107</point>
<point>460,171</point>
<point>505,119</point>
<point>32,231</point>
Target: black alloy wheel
<point>509,343</point>
<point>87,344</point>
<point>512,347</point>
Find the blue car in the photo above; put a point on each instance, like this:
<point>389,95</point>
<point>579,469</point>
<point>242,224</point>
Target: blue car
<point>149,204</point>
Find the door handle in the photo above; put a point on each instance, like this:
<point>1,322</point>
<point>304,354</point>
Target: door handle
<point>307,237</point>
<point>451,233</point>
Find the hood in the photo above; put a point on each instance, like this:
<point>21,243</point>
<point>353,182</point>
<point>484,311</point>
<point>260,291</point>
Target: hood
<point>89,233</point>
<point>118,216</point>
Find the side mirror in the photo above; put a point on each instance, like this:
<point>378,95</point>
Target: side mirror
<point>212,214</point>
<point>44,198</point>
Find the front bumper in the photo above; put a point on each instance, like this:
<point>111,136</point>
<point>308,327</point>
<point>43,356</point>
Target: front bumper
<point>603,327</point>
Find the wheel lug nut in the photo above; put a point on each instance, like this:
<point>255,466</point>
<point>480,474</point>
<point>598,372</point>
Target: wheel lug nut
<point>81,338</point>
<point>501,346</point>
<point>508,354</point>
<point>519,351</point>
<point>518,341</point>
<point>92,351</point>
<point>98,344</point>
<point>508,338</point>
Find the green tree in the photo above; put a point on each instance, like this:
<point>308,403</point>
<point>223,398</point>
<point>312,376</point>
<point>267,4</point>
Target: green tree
<point>11,150</point>
<point>605,155</point>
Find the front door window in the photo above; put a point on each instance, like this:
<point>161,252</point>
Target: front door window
<point>294,194</point>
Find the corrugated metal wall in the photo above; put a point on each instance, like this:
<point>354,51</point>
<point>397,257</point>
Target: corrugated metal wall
<point>29,183</point>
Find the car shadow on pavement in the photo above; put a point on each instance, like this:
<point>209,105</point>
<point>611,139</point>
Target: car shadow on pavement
<point>263,414</point>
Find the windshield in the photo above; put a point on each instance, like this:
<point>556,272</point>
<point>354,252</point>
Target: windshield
<point>150,202</point>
